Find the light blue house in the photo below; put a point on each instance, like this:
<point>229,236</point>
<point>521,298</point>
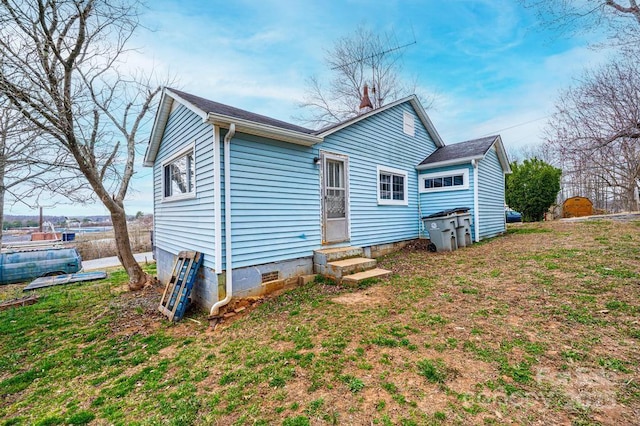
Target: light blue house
<point>468,174</point>
<point>259,196</point>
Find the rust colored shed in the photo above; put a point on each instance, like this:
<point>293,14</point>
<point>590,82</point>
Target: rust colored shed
<point>577,207</point>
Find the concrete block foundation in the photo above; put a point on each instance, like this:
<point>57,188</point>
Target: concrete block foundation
<point>256,280</point>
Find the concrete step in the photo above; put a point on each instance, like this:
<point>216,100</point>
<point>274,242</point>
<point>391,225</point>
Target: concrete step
<point>354,279</point>
<point>324,256</point>
<point>339,268</point>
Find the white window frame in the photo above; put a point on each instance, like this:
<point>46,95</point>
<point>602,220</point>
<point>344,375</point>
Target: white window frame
<point>408,124</point>
<point>191,149</point>
<point>397,172</point>
<point>448,173</point>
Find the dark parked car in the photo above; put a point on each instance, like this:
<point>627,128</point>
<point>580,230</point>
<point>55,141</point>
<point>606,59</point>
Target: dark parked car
<point>512,216</point>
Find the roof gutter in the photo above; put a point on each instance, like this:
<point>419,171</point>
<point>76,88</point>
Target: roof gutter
<point>264,130</point>
<point>215,309</point>
<point>452,162</point>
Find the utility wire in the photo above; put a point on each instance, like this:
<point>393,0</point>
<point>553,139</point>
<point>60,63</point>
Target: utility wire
<point>516,125</point>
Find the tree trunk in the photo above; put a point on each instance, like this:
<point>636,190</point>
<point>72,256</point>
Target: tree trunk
<point>631,204</point>
<point>2,187</point>
<point>137,277</point>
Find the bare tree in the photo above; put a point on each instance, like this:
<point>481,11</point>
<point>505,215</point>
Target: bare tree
<point>619,19</point>
<point>595,131</point>
<point>30,166</point>
<point>364,57</point>
<point>526,152</point>
<point>59,66</point>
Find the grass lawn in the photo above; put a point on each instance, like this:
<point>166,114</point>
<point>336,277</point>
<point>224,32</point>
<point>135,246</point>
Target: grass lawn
<point>540,326</point>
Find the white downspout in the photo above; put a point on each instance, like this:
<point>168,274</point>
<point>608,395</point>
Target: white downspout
<point>227,222</point>
<point>476,203</point>
<point>420,230</point>
<point>217,194</point>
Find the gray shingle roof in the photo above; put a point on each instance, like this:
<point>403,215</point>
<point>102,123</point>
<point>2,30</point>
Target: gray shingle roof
<point>460,150</point>
<point>217,108</point>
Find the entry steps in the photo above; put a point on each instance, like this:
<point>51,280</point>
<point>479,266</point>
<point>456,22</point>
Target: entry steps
<point>346,265</point>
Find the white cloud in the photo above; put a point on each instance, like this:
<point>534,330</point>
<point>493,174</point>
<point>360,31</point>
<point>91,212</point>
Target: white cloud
<point>517,111</point>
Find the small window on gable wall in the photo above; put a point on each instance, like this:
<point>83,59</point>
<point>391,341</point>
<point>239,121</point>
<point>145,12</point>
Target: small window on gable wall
<point>408,124</point>
<point>179,176</point>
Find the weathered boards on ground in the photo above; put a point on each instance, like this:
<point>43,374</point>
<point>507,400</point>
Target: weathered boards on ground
<point>22,301</point>
<point>65,279</point>
<point>176,295</point>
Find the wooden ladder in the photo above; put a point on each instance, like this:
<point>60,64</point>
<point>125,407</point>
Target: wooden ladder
<point>178,290</point>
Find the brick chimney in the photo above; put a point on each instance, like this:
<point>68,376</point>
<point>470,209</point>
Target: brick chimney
<point>365,103</point>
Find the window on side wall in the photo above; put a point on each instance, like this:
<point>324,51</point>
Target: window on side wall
<point>179,176</point>
<point>451,180</point>
<point>392,186</point>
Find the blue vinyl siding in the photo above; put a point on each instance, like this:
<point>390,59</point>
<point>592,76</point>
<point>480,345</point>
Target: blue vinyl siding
<point>432,202</point>
<point>275,201</point>
<point>186,224</point>
<point>380,141</point>
<point>491,195</point>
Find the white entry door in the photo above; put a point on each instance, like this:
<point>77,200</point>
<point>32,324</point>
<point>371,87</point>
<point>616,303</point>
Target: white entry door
<point>335,198</point>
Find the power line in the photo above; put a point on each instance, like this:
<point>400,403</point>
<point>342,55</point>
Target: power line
<point>384,52</point>
<point>516,125</point>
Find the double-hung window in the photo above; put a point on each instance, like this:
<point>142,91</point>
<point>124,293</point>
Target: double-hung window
<point>392,186</point>
<point>179,176</point>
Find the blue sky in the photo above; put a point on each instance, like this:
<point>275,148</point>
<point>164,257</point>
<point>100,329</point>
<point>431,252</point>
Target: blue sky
<point>489,64</point>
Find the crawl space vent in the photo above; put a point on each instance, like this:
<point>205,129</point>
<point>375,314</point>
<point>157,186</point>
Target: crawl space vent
<point>270,276</point>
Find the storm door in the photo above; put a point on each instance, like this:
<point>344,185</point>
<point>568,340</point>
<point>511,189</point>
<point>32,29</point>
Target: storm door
<point>335,198</point>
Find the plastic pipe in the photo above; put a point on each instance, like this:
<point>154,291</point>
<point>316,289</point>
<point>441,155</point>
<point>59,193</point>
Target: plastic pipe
<point>227,222</point>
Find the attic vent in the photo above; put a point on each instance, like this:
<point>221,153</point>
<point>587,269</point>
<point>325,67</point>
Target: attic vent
<point>408,125</point>
<point>270,276</point>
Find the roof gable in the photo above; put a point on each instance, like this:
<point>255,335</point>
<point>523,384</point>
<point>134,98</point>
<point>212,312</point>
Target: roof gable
<point>416,105</point>
<point>465,152</point>
<point>223,115</point>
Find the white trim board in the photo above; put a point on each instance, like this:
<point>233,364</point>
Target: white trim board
<point>465,181</point>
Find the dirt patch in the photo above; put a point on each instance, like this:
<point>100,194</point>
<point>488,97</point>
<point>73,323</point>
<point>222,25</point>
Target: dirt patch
<point>375,296</point>
<point>137,311</point>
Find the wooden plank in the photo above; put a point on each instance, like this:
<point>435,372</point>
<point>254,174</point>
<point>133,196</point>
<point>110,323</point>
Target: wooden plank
<point>176,295</point>
<point>23,301</point>
<point>65,279</point>
<point>178,289</point>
